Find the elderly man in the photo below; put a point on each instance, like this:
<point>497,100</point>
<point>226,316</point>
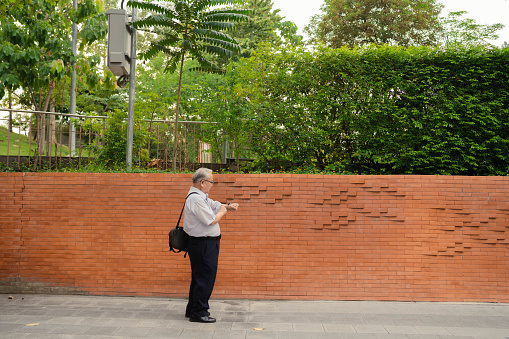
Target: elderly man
<point>201,217</point>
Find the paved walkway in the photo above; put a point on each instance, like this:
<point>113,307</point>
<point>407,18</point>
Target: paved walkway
<point>47,316</point>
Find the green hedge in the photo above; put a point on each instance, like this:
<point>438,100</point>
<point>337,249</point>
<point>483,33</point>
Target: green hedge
<point>381,110</point>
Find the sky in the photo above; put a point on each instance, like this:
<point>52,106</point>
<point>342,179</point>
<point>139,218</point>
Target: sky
<point>485,12</point>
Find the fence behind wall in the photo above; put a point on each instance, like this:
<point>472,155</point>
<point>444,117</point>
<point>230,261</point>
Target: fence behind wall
<point>36,139</point>
<point>55,140</point>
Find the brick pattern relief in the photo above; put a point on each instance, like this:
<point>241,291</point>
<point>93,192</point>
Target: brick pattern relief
<point>420,238</point>
<point>473,217</point>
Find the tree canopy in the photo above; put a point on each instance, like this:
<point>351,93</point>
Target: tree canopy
<point>459,30</point>
<point>395,22</point>
<point>362,22</point>
<point>264,25</point>
<point>35,45</point>
<point>190,27</point>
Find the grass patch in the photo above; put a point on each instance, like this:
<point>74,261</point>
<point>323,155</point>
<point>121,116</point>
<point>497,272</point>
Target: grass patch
<point>17,143</point>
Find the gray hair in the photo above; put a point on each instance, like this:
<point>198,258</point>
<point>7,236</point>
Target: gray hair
<point>201,174</point>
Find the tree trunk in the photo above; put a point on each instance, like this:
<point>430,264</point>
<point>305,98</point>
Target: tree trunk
<point>41,130</point>
<point>52,139</point>
<point>48,97</point>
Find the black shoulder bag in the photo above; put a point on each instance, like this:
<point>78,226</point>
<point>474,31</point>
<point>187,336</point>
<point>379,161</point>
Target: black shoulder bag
<point>177,236</point>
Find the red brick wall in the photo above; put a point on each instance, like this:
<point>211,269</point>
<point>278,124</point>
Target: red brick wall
<point>414,238</point>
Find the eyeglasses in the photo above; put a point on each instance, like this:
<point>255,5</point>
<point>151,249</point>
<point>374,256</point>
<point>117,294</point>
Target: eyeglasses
<point>210,181</point>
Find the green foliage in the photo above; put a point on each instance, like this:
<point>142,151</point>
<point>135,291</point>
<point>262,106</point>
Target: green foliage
<point>381,109</point>
<point>190,27</point>
<point>32,50</point>
<point>458,30</point>
<point>449,115</point>
<point>96,94</point>
<point>15,167</point>
<point>226,105</point>
<point>395,22</point>
<point>113,151</point>
<point>36,56</point>
<point>10,5</point>
<point>35,45</point>
<point>98,167</point>
<point>265,25</point>
<point>95,28</point>
<point>360,23</point>
<point>156,90</point>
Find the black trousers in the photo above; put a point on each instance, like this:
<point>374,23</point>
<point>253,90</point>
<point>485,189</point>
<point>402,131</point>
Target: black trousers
<point>204,255</point>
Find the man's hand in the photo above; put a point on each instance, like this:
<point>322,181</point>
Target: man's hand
<point>232,206</point>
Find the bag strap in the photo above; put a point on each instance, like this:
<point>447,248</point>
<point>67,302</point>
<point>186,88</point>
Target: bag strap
<point>178,222</point>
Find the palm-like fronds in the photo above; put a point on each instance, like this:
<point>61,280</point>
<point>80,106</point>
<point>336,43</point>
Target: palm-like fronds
<point>232,11</point>
<point>223,44</point>
<point>161,46</point>
<point>151,7</point>
<point>188,23</point>
<point>201,5</point>
<point>190,28</point>
<point>217,25</point>
<point>206,66</point>
<point>226,16</point>
<point>214,35</point>
<point>154,21</point>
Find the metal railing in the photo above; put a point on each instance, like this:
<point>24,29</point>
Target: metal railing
<point>46,137</point>
<point>56,140</point>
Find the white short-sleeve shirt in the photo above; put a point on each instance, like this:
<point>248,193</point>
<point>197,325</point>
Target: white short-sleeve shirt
<point>199,212</point>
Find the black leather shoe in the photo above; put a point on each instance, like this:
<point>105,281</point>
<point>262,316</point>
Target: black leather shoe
<point>204,319</point>
<point>189,314</point>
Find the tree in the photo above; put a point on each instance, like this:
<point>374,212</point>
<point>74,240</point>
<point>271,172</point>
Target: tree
<point>32,49</point>
<point>264,25</point>
<point>97,92</point>
<point>113,151</point>
<point>190,27</point>
<point>35,48</point>
<point>466,31</point>
<point>35,45</point>
<point>363,22</point>
<point>226,103</point>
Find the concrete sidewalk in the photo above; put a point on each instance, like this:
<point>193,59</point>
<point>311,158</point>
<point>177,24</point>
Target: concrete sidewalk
<point>48,316</point>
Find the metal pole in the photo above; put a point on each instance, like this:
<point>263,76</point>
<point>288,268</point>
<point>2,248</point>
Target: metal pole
<point>72,110</point>
<point>130,110</point>
<point>225,148</point>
